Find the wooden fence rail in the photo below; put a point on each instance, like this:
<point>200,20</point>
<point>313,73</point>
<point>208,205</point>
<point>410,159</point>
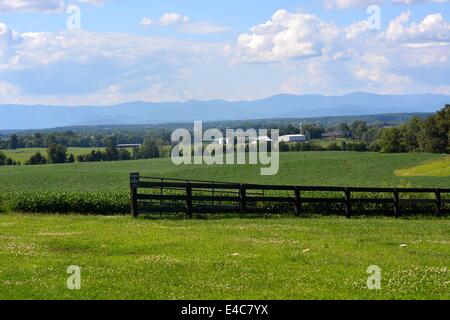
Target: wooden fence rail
<point>194,196</point>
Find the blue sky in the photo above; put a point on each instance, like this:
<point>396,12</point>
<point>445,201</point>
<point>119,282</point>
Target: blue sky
<point>171,50</point>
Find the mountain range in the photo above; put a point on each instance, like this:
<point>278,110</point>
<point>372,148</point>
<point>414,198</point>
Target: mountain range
<point>280,106</point>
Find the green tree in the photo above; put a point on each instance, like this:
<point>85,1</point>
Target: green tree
<point>411,132</point>
<point>358,128</point>
<point>111,153</point>
<point>391,141</point>
<point>57,153</point>
<point>2,159</point>
<point>345,129</point>
<point>36,159</point>
<point>434,136</point>
<point>14,142</point>
<point>148,150</point>
<point>124,155</point>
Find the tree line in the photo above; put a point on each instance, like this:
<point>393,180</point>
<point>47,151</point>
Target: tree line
<point>418,134</point>
<point>429,135</point>
<point>57,153</point>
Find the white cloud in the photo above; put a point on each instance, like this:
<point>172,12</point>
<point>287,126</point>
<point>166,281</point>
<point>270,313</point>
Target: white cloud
<point>345,4</point>
<point>170,19</point>
<point>321,57</point>
<point>83,67</point>
<point>8,90</point>
<point>291,52</point>
<point>203,27</point>
<point>31,5</point>
<point>8,40</point>
<point>406,2</point>
<point>184,24</point>
<point>145,22</point>
<point>433,28</point>
<point>43,6</point>
<point>286,36</point>
<point>374,70</point>
<point>94,2</point>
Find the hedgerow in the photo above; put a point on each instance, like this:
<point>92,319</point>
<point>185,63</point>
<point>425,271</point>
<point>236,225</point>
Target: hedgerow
<point>119,203</point>
<point>66,202</point>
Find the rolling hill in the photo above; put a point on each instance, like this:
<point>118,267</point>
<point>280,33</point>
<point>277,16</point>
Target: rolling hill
<point>280,106</point>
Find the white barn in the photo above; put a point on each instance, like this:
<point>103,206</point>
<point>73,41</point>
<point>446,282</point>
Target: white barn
<point>262,139</point>
<point>222,141</point>
<point>292,138</point>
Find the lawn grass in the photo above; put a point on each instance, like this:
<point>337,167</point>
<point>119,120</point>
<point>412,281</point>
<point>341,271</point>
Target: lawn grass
<point>126,258</point>
<point>436,168</point>
<point>24,154</point>
<point>296,168</point>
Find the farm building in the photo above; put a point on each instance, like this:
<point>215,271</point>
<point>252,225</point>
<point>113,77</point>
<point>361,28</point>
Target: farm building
<point>333,134</point>
<point>126,146</point>
<point>222,141</point>
<point>293,138</point>
<point>262,139</point>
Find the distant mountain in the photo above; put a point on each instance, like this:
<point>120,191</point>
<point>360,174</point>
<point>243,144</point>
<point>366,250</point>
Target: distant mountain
<point>280,106</point>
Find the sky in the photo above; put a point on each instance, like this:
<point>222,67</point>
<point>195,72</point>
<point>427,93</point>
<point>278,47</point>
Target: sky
<point>105,52</point>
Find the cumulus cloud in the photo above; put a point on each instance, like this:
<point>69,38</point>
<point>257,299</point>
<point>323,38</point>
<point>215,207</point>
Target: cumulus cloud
<point>286,36</point>
<point>78,66</point>
<point>289,36</point>
<point>336,59</point>
<point>433,28</point>
<point>44,6</point>
<point>184,24</point>
<point>302,53</point>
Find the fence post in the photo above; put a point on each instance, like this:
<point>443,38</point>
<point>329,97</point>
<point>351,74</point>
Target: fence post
<point>438,202</point>
<point>298,203</point>
<point>134,184</point>
<point>189,209</point>
<point>348,203</point>
<point>243,198</point>
<point>396,203</point>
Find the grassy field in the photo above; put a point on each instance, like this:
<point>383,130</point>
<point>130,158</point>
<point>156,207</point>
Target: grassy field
<point>323,258</point>
<point>325,143</point>
<point>124,258</point>
<point>436,168</point>
<point>302,168</point>
<point>24,154</point>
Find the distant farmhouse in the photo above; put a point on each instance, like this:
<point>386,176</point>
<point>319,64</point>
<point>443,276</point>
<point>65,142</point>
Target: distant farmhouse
<point>127,146</point>
<point>333,134</point>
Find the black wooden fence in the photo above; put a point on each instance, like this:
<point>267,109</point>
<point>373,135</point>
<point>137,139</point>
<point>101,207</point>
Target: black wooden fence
<point>159,195</point>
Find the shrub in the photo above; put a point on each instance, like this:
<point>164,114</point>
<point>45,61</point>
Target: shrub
<point>36,159</point>
<point>6,161</point>
<point>62,202</point>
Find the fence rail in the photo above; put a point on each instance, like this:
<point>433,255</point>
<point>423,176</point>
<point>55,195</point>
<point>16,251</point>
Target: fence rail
<point>162,195</point>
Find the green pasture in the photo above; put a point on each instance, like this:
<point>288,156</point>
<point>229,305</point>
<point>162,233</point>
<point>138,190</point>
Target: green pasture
<point>24,154</point>
<point>299,168</point>
<point>126,258</point>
